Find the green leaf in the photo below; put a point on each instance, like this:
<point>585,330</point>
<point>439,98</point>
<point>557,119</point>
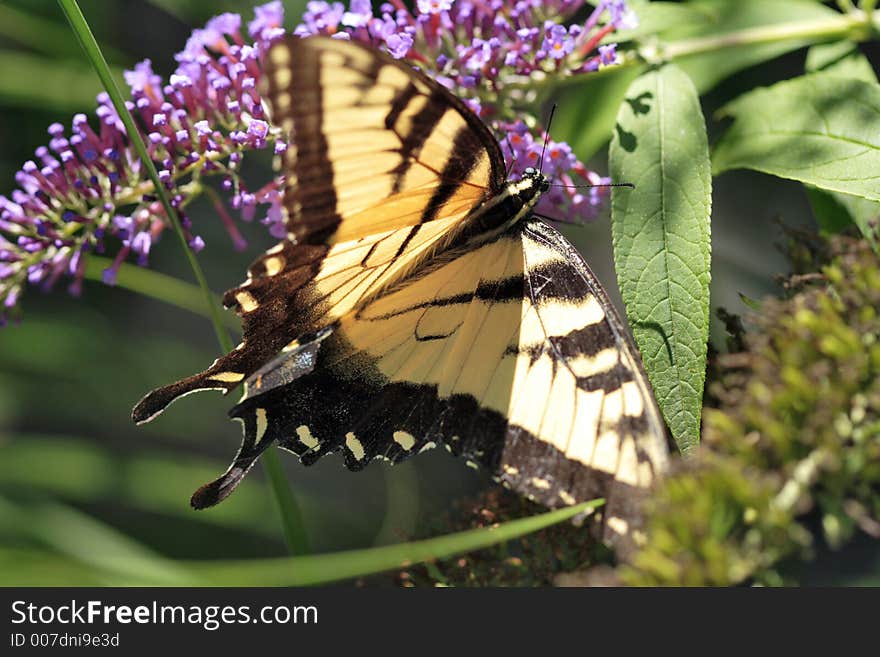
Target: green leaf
<point>834,211</point>
<point>725,17</point>
<point>818,129</point>
<point>830,215</point>
<point>587,112</point>
<point>323,568</point>
<point>661,239</point>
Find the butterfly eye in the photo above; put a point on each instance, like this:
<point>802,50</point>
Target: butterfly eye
<point>530,171</point>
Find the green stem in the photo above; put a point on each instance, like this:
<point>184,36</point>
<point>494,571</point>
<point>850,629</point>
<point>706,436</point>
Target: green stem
<point>155,285</point>
<point>290,515</point>
<point>93,51</point>
<point>288,509</point>
<point>856,26</point>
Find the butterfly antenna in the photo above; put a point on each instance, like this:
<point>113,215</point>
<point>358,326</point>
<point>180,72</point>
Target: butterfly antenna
<point>546,137</point>
<point>630,185</point>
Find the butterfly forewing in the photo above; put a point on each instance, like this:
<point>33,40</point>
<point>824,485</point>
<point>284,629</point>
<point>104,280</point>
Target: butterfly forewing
<point>383,167</point>
<point>367,132</point>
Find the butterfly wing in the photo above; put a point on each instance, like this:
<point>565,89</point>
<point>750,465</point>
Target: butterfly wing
<point>371,132</point>
<point>508,354</point>
<point>383,167</point>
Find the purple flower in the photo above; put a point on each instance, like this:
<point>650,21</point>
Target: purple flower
<point>621,16</point>
<point>608,54</point>
<point>267,18</point>
<point>399,44</point>
<point>360,15</point>
<point>320,18</point>
<point>433,6</point>
<point>225,24</point>
<point>140,79</point>
<point>557,42</point>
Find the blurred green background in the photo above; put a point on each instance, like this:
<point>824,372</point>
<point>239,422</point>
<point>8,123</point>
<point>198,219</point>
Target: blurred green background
<point>88,498</point>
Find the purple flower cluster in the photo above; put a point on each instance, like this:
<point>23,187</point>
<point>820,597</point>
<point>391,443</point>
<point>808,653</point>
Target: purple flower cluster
<point>87,191</point>
<point>570,178</point>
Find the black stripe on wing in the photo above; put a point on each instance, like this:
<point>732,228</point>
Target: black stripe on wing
<point>313,193</point>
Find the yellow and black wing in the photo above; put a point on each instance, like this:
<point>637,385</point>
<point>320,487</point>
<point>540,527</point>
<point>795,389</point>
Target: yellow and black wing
<point>382,167</point>
<point>509,354</point>
<point>374,331</point>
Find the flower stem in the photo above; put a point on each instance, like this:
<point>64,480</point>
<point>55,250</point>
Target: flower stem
<point>155,285</point>
<point>856,26</point>
<point>288,509</point>
<point>290,515</point>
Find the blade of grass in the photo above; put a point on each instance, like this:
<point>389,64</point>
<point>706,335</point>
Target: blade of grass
<point>91,542</point>
<point>335,566</point>
<point>290,515</point>
<point>288,509</point>
<point>105,553</point>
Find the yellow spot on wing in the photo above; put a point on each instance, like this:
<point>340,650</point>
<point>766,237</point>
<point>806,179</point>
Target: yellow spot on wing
<point>355,446</point>
<point>246,301</point>
<point>262,424</point>
<point>585,366</point>
<point>282,77</point>
<point>404,439</point>
<point>273,265</point>
<point>618,525</point>
<point>279,55</point>
<point>228,377</point>
<point>559,317</point>
<point>587,414</point>
<point>305,436</point>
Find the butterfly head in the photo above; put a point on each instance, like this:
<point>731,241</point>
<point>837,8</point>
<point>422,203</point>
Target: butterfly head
<point>539,181</point>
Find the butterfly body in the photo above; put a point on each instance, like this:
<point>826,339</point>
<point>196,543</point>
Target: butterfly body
<point>417,302</point>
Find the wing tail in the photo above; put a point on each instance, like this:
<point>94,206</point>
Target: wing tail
<point>256,439</point>
<point>219,376</point>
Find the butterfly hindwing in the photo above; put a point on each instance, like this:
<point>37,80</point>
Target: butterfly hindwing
<point>510,355</point>
<point>598,432</point>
